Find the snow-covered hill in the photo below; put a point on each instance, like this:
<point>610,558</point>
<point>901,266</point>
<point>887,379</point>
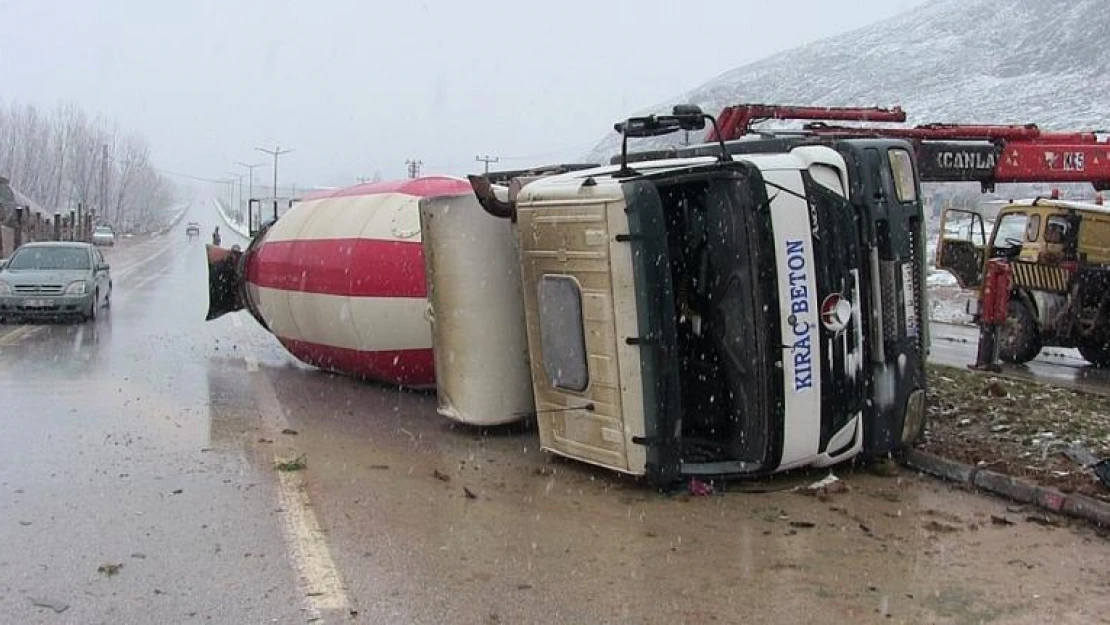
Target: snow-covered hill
<point>969,61</point>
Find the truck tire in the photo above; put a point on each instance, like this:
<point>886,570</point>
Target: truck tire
<point>1098,354</point>
<point>1020,339</point>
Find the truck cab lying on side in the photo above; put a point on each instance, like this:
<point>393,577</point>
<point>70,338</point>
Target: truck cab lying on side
<point>740,309</point>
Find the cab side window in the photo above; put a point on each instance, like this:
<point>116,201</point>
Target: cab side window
<point>1057,229</point>
<point>563,333</point>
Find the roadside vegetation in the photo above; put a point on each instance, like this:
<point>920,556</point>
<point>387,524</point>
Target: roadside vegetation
<point>1020,428</point>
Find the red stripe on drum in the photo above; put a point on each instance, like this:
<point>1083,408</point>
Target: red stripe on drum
<point>408,367</point>
<point>353,267</point>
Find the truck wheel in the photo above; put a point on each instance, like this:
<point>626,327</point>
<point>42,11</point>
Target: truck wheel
<point>1098,354</point>
<point>1020,340</point>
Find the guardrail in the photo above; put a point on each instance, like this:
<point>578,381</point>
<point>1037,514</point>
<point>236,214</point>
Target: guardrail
<point>235,226</point>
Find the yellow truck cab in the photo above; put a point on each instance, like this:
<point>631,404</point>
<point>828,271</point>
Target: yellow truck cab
<point>1059,253</point>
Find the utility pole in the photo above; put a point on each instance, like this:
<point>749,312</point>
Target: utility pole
<point>104,180</point>
<point>414,168</point>
<point>230,190</point>
<point>487,159</point>
<point>276,152</point>
<point>236,205</point>
<point>250,177</point>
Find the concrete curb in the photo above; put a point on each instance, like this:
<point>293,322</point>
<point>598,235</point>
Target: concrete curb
<point>1073,504</point>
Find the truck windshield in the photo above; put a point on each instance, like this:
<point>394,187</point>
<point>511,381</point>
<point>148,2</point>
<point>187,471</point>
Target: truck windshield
<point>719,328</point>
<point>1010,230</point>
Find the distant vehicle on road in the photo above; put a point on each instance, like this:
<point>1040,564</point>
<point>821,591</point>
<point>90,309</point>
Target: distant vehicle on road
<point>192,230</point>
<point>103,235</point>
<point>55,279</point>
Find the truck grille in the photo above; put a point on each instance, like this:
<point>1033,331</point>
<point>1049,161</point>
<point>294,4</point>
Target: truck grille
<point>38,289</point>
<point>889,295</point>
<point>918,264</point>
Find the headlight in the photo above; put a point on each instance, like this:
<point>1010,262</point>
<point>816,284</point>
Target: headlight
<point>5,288</point>
<point>77,288</point>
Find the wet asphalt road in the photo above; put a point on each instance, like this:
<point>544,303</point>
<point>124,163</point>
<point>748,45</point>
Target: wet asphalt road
<point>956,346</point>
<point>149,439</point>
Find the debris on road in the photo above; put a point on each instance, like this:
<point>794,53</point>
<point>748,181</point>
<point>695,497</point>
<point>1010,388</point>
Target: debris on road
<point>469,494</point>
<point>1000,520</point>
<point>828,485</point>
<point>1042,519</point>
<point>290,432</point>
<point>441,476</point>
<point>1084,458</point>
<point>296,464</point>
<point>803,524</point>
<point>53,604</point>
<point>940,528</point>
<point>699,488</point>
<point>110,569</point>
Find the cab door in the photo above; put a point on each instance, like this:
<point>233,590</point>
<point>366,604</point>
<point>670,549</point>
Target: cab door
<point>963,241</point>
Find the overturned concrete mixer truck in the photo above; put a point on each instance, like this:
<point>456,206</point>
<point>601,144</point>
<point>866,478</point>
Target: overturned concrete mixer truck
<point>736,308</point>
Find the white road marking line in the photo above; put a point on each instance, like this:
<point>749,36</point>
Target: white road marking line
<point>306,542</point>
<point>309,547</point>
<point>18,334</point>
<point>139,263</point>
<point>147,280</point>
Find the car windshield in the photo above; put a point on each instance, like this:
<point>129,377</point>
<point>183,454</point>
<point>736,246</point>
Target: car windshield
<point>50,258</point>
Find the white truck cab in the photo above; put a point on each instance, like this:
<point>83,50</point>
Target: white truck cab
<point>710,315</point>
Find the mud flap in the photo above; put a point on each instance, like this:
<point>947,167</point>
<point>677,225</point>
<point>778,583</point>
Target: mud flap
<point>224,281</point>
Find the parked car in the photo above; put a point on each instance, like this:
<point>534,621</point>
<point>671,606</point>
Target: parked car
<point>103,235</point>
<point>192,230</point>
<point>55,279</point>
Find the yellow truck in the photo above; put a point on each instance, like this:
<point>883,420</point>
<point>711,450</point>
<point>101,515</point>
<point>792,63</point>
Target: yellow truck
<point>1058,255</point>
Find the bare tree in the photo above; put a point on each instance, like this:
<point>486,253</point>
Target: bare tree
<point>65,159</point>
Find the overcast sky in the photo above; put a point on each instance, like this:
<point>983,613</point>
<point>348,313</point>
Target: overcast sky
<point>360,86</point>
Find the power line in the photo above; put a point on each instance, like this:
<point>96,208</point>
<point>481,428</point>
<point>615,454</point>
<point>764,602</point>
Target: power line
<point>487,159</point>
<point>276,152</point>
<point>250,176</point>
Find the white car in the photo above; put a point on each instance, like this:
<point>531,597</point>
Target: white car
<point>103,235</point>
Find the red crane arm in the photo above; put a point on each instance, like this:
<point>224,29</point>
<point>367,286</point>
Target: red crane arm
<point>987,154</point>
<point>735,121</point>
